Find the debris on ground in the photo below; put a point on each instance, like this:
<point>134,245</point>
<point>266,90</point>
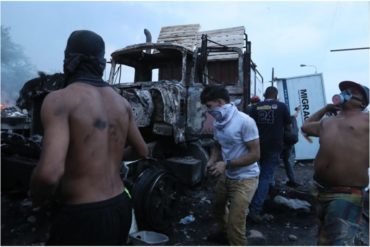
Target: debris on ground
<point>292,203</point>
<point>22,224</point>
<point>186,220</point>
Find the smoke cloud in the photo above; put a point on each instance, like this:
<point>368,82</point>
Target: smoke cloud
<point>16,68</point>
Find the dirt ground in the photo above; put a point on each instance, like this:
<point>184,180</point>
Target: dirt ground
<point>23,225</point>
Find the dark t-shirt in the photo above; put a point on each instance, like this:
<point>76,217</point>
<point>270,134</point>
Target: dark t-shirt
<point>271,117</point>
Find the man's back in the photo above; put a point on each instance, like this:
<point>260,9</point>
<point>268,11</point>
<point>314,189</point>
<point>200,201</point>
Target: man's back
<point>97,120</point>
<point>86,126</point>
<point>271,117</point>
<point>343,159</point>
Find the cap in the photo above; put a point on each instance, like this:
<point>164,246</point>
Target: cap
<point>255,99</point>
<point>351,84</point>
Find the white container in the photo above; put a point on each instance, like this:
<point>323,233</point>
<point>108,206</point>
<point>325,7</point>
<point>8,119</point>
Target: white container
<point>308,92</point>
<point>148,238</point>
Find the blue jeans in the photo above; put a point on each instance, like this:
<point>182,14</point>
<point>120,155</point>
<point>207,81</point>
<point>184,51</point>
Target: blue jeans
<point>288,159</point>
<point>268,162</point>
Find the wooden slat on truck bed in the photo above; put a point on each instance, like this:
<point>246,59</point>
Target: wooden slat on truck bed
<point>190,37</point>
<point>185,35</point>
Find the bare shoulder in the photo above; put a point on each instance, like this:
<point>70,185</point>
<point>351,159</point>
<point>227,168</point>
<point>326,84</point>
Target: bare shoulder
<point>56,99</point>
<point>60,103</point>
<point>124,102</point>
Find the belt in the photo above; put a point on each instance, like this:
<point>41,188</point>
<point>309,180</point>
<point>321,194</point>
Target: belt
<point>339,189</point>
<point>342,190</point>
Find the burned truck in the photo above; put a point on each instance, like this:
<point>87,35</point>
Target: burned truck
<point>165,81</point>
<point>164,92</point>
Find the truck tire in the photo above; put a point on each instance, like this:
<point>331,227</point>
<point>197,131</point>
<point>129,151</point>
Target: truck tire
<point>154,197</point>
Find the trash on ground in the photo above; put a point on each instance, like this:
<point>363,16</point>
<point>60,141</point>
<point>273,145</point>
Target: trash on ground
<point>186,220</point>
<point>293,203</point>
<point>148,238</point>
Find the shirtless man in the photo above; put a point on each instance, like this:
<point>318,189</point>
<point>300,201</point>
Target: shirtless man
<point>341,165</point>
<point>86,127</point>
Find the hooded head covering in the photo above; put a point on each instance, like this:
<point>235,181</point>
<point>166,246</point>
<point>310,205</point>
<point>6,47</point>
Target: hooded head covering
<point>84,57</point>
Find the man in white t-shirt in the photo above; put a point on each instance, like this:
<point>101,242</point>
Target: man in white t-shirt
<point>237,140</point>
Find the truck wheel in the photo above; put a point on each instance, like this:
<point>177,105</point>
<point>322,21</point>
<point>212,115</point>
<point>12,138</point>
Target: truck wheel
<point>161,201</point>
<point>154,197</point>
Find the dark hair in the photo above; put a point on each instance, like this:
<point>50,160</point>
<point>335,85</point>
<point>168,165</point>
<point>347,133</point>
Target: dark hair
<point>271,93</point>
<point>214,92</point>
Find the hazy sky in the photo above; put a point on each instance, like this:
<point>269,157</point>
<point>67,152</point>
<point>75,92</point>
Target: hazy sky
<point>283,34</point>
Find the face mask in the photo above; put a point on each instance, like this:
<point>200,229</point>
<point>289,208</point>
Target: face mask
<point>343,97</point>
<point>216,113</point>
<point>219,112</point>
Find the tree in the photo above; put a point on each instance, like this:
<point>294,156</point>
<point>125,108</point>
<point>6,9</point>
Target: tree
<point>16,68</point>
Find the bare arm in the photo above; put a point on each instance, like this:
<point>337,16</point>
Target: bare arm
<point>214,154</point>
<point>50,169</point>
<point>311,127</point>
<point>136,140</point>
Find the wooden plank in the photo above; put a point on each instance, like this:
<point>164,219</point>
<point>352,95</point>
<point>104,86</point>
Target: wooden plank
<point>185,35</point>
<point>190,37</point>
<point>226,56</point>
<point>182,27</point>
<point>239,29</point>
<point>231,37</point>
<point>190,30</point>
<point>228,37</point>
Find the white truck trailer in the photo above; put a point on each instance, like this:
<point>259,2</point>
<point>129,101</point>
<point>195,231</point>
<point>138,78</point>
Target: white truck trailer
<point>308,92</point>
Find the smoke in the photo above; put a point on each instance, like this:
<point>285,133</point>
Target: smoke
<point>16,68</point>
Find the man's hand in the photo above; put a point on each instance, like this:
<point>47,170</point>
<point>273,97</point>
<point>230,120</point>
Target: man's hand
<point>208,166</point>
<point>307,137</point>
<point>332,109</point>
<point>217,168</point>
<point>298,108</point>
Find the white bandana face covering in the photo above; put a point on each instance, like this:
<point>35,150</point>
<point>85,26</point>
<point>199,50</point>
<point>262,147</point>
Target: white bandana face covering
<point>222,114</point>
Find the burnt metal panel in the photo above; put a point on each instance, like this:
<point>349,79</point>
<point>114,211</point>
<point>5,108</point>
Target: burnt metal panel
<point>186,168</point>
<point>195,112</point>
<point>141,104</point>
<point>171,94</point>
<point>158,104</point>
<point>225,72</point>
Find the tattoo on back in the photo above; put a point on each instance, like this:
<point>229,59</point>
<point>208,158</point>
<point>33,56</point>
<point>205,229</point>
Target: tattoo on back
<point>100,124</point>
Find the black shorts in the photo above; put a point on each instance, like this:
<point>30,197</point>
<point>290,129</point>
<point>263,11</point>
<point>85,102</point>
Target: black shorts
<point>100,223</point>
